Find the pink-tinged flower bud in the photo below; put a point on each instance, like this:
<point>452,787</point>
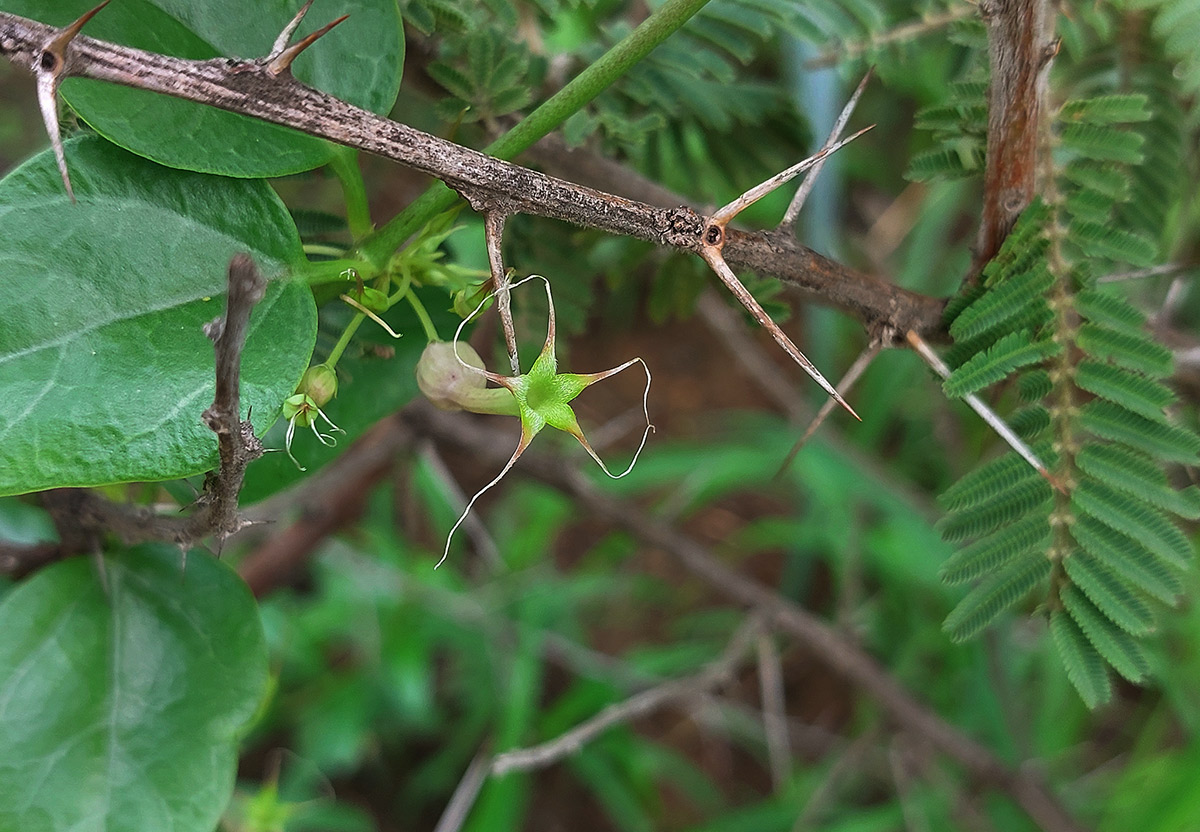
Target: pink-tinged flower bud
<point>450,386</point>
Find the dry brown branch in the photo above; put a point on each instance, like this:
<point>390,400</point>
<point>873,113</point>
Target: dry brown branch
<point>838,652</point>
<point>250,88</point>
<point>849,379</point>
<point>337,503</point>
<point>899,34</point>
<point>774,709</point>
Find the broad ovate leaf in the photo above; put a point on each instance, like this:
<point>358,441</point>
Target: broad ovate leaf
<point>359,61</point>
<point>123,695</point>
<point>104,368</point>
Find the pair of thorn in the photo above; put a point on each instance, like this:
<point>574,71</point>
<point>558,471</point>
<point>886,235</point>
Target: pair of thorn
<point>713,239</point>
<point>51,64</point>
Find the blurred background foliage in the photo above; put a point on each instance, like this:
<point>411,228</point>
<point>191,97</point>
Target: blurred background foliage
<point>391,677</point>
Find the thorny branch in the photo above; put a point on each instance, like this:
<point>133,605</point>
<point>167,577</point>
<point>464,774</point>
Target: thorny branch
<point>83,517</point>
<point>250,87</point>
<point>838,652</point>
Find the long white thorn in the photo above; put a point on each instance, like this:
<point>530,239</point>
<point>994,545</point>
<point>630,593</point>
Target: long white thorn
<point>712,256</point>
<point>789,217</point>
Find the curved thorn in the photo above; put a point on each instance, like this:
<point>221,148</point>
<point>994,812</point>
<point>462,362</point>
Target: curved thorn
<point>47,87</point>
<point>285,36</point>
<point>723,216</point>
<point>58,45</point>
<point>49,69</point>
<point>810,180</point>
<point>283,61</point>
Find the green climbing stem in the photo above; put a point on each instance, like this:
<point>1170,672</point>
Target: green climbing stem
<point>345,166</point>
<point>431,333</point>
<point>569,100</point>
<point>316,272</point>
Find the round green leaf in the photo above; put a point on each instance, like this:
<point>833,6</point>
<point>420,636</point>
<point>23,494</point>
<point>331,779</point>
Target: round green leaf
<point>123,694</point>
<point>104,369</point>
<point>358,61</point>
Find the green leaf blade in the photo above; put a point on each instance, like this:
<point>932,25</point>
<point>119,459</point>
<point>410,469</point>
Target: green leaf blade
<point>1011,352</point>
<point>1117,647</point>
<point>1000,591</point>
<point>117,288</point>
<point>1134,518</point>
<point>153,675</point>
<point>1112,595</point>
<point>1084,665</point>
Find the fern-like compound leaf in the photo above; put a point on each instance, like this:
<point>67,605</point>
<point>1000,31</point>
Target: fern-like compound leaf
<point>1130,390</point>
<point>1031,422</point>
<point>999,307</point>
<point>1119,649</point>
<point>1106,109</point>
<point>1111,595</point>
<point>995,594</point>
<point>989,481</point>
<point>1030,533</point>
<point>1085,668</point>
<point>1133,350</point>
<point>1134,518</point>
<point>1103,143</point>
<point>1109,310</point>
<point>1165,441</point>
<point>1100,178</point>
<point>1138,475</point>
<point>1001,509</point>
<point>1098,239</point>
<point>1018,349</point>
<point>1132,561</point>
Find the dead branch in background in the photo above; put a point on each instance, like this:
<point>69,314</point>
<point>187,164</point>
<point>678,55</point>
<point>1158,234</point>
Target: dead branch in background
<point>82,517</point>
<point>835,650</point>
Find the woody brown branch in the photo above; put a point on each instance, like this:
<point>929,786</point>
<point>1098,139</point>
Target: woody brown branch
<point>249,88</point>
<point>1019,50</point>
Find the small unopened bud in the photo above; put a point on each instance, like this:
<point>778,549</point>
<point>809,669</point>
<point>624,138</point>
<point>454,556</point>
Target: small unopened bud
<point>372,299</point>
<point>319,383</point>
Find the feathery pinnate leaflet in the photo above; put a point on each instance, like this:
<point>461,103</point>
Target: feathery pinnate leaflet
<point>1097,539</point>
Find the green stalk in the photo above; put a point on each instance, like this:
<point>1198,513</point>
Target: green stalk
<point>344,341</point>
<point>316,272</point>
<point>344,164</point>
<point>546,118</point>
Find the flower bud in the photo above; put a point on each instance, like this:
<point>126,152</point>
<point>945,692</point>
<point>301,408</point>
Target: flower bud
<point>319,383</point>
<point>450,386</point>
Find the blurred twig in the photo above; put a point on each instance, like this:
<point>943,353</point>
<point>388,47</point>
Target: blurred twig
<point>838,652</point>
<point>640,704</point>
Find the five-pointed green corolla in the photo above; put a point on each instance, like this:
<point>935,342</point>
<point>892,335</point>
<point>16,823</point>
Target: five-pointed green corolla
<point>539,398</point>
